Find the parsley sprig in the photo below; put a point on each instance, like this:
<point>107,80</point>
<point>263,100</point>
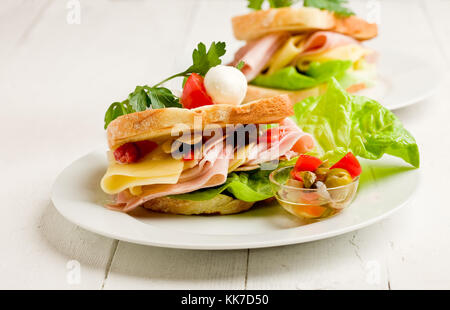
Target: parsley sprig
<point>157,97</point>
<point>257,4</point>
<point>335,6</point>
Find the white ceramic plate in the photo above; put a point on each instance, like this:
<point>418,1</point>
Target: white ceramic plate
<point>385,186</point>
<point>403,80</point>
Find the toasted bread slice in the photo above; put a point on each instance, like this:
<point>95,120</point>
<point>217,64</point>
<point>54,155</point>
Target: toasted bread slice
<point>256,92</point>
<point>298,20</point>
<point>158,124</point>
<point>220,205</point>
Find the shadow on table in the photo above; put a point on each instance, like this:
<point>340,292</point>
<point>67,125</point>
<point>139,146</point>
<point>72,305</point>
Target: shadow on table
<point>137,266</point>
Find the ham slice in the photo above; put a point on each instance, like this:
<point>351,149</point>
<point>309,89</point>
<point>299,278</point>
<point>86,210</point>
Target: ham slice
<point>322,41</point>
<point>212,169</point>
<point>256,54</point>
<point>210,156</point>
<point>307,141</point>
<point>283,146</point>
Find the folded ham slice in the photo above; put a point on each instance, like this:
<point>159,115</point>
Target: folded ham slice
<point>306,139</point>
<point>212,169</point>
<point>256,54</point>
<point>283,147</point>
<point>322,41</point>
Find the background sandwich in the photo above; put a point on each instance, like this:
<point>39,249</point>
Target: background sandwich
<point>296,50</point>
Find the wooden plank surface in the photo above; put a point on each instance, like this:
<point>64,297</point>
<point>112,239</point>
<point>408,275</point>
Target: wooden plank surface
<point>56,80</point>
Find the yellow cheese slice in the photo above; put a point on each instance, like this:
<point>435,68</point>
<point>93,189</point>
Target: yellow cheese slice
<point>163,170</point>
<point>286,54</point>
<point>240,157</point>
<point>352,52</point>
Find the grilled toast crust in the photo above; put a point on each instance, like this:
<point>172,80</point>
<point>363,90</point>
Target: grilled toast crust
<point>297,20</point>
<point>158,124</point>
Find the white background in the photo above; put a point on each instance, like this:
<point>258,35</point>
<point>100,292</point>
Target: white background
<point>56,81</point>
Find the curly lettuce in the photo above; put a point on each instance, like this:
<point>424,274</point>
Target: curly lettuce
<point>342,123</point>
<point>247,186</point>
<point>289,78</point>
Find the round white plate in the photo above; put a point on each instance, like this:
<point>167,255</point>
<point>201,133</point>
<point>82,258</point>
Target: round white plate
<point>403,80</point>
<point>385,186</point>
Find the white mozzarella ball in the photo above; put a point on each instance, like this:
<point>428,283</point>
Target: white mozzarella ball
<point>225,85</point>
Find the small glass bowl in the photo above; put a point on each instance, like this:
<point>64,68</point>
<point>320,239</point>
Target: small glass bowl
<point>309,203</point>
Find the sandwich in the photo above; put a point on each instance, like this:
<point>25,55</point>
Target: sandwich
<point>296,50</point>
<point>157,155</point>
<point>203,152</point>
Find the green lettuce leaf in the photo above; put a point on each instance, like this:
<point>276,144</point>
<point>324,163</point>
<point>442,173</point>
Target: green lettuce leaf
<point>247,186</point>
<point>364,73</point>
<point>341,123</point>
<point>290,79</point>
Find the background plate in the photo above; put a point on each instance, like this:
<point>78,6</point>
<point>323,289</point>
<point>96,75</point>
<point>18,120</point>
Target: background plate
<point>403,80</point>
<point>385,186</point>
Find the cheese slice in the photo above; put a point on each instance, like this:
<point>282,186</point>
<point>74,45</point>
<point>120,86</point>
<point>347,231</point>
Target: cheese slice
<point>163,170</point>
<point>240,157</point>
<point>353,52</point>
<point>286,54</point>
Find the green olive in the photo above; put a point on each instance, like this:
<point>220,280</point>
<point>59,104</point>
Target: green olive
<point>338,177</point>
<point>321,173</point>
<point>308,178</point>
<point>325,164</point>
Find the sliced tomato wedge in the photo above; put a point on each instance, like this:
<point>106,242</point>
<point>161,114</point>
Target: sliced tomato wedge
<point>145,147</point>
<point>194,93</point>
<point>307,163</point>
<point>296,175</point>
<point>189,156</point>
<point>350,163</point>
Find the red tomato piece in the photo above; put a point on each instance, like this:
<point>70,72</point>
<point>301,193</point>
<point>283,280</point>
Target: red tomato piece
<point>296,175</point>
<point>272,135</point>
<point>350,163</point>
<point>127,153</point>
<point>307,163</point>
<point>190,156</point>
<point>194,93</point>
<point>131,152</point>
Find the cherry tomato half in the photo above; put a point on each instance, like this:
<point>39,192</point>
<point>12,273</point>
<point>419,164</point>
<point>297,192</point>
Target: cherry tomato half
<point>349,163</point>
<point>194,93</point>
<point>127,153</point>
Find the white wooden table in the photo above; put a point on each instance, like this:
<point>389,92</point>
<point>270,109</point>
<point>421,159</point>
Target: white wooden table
<point>57,79</point>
